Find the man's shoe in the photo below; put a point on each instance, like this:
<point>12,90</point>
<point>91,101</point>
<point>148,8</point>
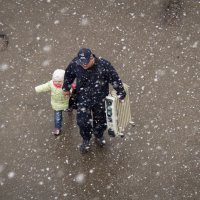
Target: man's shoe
<point>57,132</point>
<point>85,146</point>
<point>100,141</point>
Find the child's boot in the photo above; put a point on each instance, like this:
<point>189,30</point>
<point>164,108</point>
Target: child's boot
<point>57,131</point>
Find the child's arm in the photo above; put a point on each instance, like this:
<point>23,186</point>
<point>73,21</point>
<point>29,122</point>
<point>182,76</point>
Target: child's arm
<point>43,88</point>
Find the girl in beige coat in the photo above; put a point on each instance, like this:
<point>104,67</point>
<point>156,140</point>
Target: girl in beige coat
<point>59,101</point>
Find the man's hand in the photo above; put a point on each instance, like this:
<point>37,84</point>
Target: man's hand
<point>66,93</point>
<point>120,99</point>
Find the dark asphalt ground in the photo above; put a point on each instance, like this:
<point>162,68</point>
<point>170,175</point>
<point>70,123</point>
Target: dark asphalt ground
<point>155,47</point>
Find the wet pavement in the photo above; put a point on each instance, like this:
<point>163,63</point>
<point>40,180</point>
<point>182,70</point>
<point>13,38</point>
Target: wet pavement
<point>154,46</point>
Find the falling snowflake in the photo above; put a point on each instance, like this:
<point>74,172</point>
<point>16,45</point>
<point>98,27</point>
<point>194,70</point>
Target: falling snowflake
<point>57,22</point>
<point>195,44</point>
<point>11,175</point>
<point>46,63</point>
<point>41,183</point>
<point>84,21</point>
<point>80,178</point>
<point>3,67</point>
<point>47,48</point>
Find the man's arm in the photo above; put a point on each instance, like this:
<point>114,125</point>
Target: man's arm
<point>116,82</point>
<point>69,78</point>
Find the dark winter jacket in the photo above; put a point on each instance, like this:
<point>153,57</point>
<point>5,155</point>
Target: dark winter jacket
<point>93,84</point>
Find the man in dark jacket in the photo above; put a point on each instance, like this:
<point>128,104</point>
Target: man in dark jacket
<point>93,76</point>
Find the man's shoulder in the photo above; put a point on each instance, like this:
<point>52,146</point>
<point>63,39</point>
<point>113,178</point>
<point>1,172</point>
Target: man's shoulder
<point>74,61</point>
<point>103,62</point>
<point>73,64</point>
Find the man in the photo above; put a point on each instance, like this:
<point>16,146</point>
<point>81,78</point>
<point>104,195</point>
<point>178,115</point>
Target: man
<point>93,76</point>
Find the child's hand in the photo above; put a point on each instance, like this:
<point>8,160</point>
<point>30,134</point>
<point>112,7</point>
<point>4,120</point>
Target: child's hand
<point>66,93</point>
<point>73,86</point>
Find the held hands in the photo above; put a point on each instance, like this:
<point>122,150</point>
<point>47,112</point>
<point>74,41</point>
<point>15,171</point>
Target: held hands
<point>66,93</point>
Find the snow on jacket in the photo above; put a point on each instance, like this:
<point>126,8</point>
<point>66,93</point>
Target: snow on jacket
<point>58,100</point>
<point>93,84</point>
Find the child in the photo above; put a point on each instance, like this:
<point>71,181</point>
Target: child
<point>59,102</point>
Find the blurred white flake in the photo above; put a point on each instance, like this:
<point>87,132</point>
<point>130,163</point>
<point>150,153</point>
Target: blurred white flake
<point>84,21</point>
<point>46,63</point>
<point>11,175</point>
<point>47,48</point>
<point>195,44</point>
<point>3,67</point>
<point>56,22</point>
<point>80,178</point>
